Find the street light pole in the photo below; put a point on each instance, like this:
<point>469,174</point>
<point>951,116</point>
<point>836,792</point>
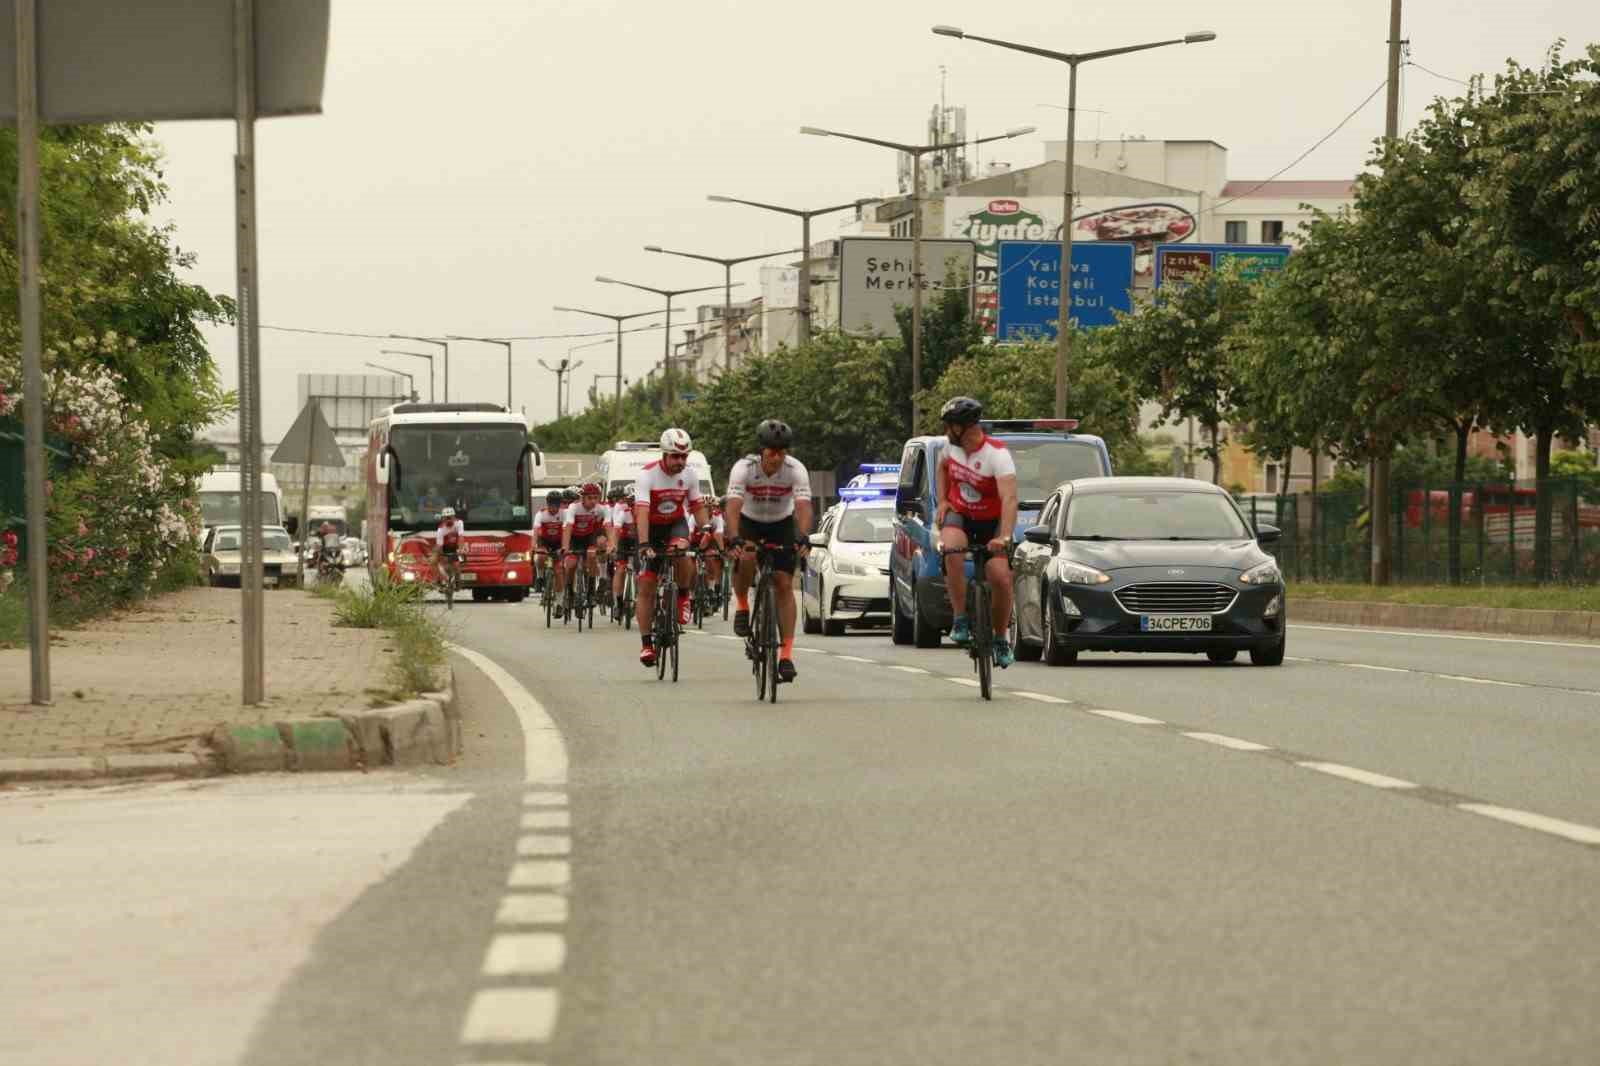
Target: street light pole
<point>666,335</point>
<point>618,320</point>
<point>916,152</point>
<point>415,355</point>
<point>504,344</point>
<point>560,371</point>
<point>804,306</point>
<point>411,382</point>
<point>727,265</point>
<point>1072,59</point>
<point>429,340</point>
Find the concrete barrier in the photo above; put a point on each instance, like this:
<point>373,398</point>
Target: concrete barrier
<point>1582,625</point>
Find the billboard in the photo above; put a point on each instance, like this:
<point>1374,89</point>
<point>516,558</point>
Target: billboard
<point>1146,224</point>
<point>1182,263</point>
<point>875,278</point>
<point>1030,286</point>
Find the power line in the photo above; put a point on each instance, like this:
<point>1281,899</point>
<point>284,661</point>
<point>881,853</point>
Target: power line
<point>1436,74</point>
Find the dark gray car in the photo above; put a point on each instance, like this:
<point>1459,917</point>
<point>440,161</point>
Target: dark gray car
<point>1146,564</point>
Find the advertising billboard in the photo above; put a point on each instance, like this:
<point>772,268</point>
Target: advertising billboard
<point>1174,265</point>
<point>875,278</point>
<point>1030,286</point>
<point>1146,224</point>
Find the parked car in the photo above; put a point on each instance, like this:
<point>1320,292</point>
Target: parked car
<point>1151,564</point>
<point>221,554</point>
<point>1047,453</point>
<point>846,577</point>
<point>354,552</point>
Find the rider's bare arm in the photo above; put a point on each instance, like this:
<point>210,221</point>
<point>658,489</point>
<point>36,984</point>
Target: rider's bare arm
<point>1008,510</point>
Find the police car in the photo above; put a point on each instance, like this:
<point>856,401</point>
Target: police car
<point>846,576</point>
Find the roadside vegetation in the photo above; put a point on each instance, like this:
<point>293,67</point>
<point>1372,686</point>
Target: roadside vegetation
<point>419,636</point>
<point>1519,597</point>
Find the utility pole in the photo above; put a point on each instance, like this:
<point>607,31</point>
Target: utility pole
<point>1382,572</point>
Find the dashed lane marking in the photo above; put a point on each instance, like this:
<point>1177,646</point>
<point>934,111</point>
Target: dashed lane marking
<point>525,955</point>
<point>1124,716</point>
<point>532,908</point>
<point>1040,697</point>
<point>547,820</point>
<point>1582,834</point>
<point>1446,636</point>
<point>1224,741</point>
<point>540,874</point>
<point>544,799</point>
<point>909,669</point>
<point>511,1016</point>
<point>1481,680</point>
<point>542,844</point>
<point>967,681</point>
<point>856,659</point>
<point>1359,776</point>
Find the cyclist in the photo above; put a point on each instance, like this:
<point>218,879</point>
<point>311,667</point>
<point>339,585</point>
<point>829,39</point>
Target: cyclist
<point>977,493</point>
<point>667,492</point>
<point>709,542</point>
<point>583,532</point>
<point>623,534</point>
<point>769,502</point>
<point>447,543</point>
<point>547,534</point>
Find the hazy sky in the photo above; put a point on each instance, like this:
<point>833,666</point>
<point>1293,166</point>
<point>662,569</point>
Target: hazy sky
<point>478,162</point>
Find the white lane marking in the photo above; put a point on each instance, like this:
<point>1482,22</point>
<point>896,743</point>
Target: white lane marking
<point>1124,716</point>
<point>1040,697</point>
<point>540,874</point>
<point>855,659</point>
<point>525,955</point>
<point>531,908</point>
<point>1583,834</point>
<point>1445,636</point>
<point>812,651</point>
<point>547,820</point>
<point>1379,669</point>
<point>969,682</point>
<point>1481,680</point>
<point>544,754</point>
<point>544,799</point>
<point>726,636</point>
<point>909,669</point>
<point>1359,776</point>
<point>544,845</point>
<point>1222,740</point>
<point>511,1016</point>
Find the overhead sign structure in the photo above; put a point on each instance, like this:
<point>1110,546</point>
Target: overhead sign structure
<point>1031,286</point>
<point>1179,264</point>
<point>875,278</point>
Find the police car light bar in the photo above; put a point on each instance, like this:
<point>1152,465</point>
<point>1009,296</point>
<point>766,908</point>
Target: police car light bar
<point>1023,425</point>
<point>864,493</point>
<point>880,468</point>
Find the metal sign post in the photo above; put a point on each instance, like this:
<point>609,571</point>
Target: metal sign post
<point>32,370</point>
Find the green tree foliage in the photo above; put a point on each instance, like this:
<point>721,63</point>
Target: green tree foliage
<point>949,332</point>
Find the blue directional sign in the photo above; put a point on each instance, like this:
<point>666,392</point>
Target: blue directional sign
<point>1030,286</point>
<point>1180,262</point>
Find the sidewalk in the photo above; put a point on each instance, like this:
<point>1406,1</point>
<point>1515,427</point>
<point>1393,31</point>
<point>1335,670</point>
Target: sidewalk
<point>162,677</point>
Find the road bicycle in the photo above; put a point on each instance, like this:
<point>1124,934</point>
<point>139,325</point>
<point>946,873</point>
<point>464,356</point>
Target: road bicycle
<point>622,608</point>
<point>579,602</point>
<point>762,645</point>
<point>448,580</point>
<point>665,628</point>
<point>980,617</point>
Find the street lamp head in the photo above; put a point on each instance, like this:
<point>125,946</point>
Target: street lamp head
<point>813,131</point>
<point>1199,37</point>
<point>608,281</point>
<point>1020,131</point>
<point>949,31</point>
<point>654,248</point>
<point>720,199</point>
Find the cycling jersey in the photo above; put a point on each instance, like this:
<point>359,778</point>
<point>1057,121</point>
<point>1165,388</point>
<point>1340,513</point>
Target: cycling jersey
<point>622,519</point>
<point>669,496</point>
<point>768,497</point>
<point>547,527</point>
<point>585,521</point>
<point>449,533</point>
<point>972,480</point>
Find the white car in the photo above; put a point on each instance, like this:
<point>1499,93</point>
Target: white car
<point>221,555</point>
<point>846,576</point>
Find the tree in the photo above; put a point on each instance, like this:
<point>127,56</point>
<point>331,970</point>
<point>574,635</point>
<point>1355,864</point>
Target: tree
<point>949,332</point>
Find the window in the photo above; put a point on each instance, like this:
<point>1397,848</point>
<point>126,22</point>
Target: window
<point>1271,231</point>
<point>1154,515</point>
<point>1238,233</point>
<point>867,526</point>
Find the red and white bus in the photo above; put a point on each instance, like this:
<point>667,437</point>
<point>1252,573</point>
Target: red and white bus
<point>473,457</point>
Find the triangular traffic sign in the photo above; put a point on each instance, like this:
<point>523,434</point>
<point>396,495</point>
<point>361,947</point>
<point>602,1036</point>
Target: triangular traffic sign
<point>309,440</point>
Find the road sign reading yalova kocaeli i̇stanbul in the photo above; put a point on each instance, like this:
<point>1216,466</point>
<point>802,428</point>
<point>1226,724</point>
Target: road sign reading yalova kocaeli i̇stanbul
<point>1030,286</point>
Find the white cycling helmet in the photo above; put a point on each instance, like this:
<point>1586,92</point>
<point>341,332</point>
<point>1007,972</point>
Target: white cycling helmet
<point>675,442</point>
<point>448,512</point>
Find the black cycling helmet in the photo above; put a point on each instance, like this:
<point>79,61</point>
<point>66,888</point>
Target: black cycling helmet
<point>961,411</point>
<point>774,433</point>
<point>553,497</point>
<point>615,494</point>
<point>570,495</point>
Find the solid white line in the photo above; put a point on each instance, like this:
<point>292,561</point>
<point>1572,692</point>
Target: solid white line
<point>1040,697</point>
<point>1380,669</point>
<point>544,799</point>
<point>540,874</point>
<point>1482,681</point>
<point>726,636</point>
<point>544,758</point>
<point>909,669</point>
<point>1583,834</point>
<point>1124,716</point>
<point>544,845</point>
<point>525,955</point>
<point>511,1016</point>
<point>531,908</point>
<point>546,820</point>
<point>1445,636</point>
<point>855,659</point>
<point>1360,777</point>
<point>1224,741</point>
<point>969,682</point>
<point>812,651</point>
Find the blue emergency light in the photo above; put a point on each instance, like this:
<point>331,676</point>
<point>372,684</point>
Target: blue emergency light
<point>880,468</point>
<point>865,492</point>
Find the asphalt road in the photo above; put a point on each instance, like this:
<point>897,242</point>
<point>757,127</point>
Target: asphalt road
<point>1132,860</point>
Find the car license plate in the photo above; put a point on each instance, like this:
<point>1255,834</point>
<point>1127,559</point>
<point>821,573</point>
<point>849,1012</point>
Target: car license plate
<point>1175,623</point>
<point>270,582</point>
<point>467,577</point>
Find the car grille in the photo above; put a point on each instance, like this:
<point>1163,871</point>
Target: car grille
<point>861,604</point>
<point>1175,597</point>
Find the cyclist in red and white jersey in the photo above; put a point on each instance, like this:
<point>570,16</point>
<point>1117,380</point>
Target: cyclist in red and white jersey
<point>583,532</point>
<point>769,502</point>
<point>547,534</point>
<point>447,543</point>
<point>977,493</point>
<point>710,540</point>
<point>623,534</point>
<point>665,494</point>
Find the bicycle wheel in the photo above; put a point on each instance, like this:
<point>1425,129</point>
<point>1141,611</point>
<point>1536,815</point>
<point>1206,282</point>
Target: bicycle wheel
<point>627,599</point>
<point>727,588</point>
<point>549,602</point>
<point>753,648</point>
<point>673,651</point>
<point>982,636</point>
<point>580,598</point>
<point>665,608</point>
<point>770,634</point>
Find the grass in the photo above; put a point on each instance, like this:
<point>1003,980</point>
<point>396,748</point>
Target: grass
<point>419,638</point>
<point>14,616</point>
<point>1522,597</point>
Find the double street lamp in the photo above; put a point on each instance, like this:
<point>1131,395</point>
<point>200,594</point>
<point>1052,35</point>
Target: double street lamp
<point>916,152</point>
<point>727,265</point>
<point>411,383</point>
<point>502,343</point>
<point>415,355</point>
<point>666,333</point>
<point>618,320</point>
<point>1072,59</point>
<point>442,344</point>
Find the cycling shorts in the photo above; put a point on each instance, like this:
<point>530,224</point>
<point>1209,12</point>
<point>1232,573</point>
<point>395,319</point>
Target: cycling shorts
<point>584,543</point>
<point>978,530</point>
<point>780,532</point>
<point>450,551</point>
<point>661,537</point>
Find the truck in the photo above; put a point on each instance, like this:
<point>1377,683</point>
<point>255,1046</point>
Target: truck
<point>620,466</point>
<point>221,499</point>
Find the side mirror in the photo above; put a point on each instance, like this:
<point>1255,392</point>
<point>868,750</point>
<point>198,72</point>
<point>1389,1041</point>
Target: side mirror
<point>381,467</point>
<point>818,540</point>
<point>1038,535</point>
<point>1267,534</point>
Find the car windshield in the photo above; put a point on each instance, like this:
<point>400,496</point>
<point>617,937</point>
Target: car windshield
<point>1156,515</point>
<point>274,540</point>
<point>480,471</point>
<point>219,508</point>
<point>874,526</point>
<point>1044,464</point>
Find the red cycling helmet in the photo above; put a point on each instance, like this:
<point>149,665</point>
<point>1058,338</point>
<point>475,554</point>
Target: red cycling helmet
<point>590,488</point>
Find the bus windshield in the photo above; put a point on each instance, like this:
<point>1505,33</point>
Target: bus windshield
<point>480,471</point>
<point>222,508</point>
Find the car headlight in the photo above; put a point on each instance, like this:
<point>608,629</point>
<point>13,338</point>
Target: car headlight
<point>1078,574</point>
<point>1265,574</point>
<point>517,557</point>
<point>408,575</point>
<point>850,569</point>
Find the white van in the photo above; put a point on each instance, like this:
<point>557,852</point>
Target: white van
<point>621,465</point>
<point>220,499</point>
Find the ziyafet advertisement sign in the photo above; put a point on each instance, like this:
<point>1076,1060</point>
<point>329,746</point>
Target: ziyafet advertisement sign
<point>1179,264</point>
<point>1030,287</point>
<point>875,277</point>
<point>1146,224</point>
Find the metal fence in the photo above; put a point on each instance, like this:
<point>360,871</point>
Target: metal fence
<point>1327,536</point>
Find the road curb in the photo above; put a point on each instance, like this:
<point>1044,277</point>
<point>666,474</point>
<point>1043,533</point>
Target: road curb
<point>1584,625</point>
<point>422,731</point>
